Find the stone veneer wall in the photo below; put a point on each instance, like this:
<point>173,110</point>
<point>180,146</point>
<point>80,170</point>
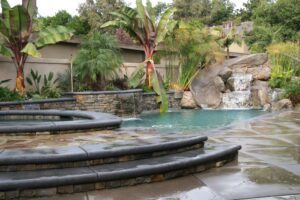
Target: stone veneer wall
<point>121,103</point>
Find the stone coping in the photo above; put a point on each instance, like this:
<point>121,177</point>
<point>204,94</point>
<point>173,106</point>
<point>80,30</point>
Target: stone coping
<point>56,100</point>
<point>90,120</point>
<point>105,92</point>
<point>12,181</point>
<point>88,152</point>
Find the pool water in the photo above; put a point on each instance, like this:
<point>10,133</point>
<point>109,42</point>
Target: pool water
<point>190,120</point>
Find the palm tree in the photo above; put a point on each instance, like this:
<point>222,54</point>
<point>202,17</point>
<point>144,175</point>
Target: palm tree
<point>227,39</point>
<point>141,24</point>
<point>17,39</point>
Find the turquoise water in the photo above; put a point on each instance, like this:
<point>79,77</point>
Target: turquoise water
<point>190,120</point>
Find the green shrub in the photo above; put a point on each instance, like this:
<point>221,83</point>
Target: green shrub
<point>8,95</point>
<point>43,88</point>
<point>280,76</point>
<point>292,88</point>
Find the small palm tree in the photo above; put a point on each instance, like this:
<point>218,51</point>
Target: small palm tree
<point>97,61</point>
<point>226,39</point>
<point>141,24</point>
<point>17,40</point>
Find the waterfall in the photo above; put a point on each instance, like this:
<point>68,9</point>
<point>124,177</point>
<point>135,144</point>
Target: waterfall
<point>239,96</point>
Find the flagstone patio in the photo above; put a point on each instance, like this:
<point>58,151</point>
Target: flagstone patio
<point>268,167</point>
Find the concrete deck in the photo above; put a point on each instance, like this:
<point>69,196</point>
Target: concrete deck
<point>268,168</point>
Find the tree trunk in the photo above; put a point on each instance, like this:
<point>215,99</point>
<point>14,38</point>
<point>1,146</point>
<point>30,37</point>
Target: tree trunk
<point>227,53</point>
<point>149,73</point>
<point>20,81</point>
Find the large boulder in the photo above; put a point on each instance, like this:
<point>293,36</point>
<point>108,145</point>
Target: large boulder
<point>188,101</point>
<point>282,105</point>
<point>220,84</point>
<point>225,73</point>
<point>208,92</point>
<point>260,93</point>
<point>260,73</point>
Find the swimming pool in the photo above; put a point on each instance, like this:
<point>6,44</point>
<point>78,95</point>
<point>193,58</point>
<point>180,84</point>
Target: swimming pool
<point>190,120</point>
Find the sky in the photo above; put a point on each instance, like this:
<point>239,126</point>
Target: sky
<point>50,7</point>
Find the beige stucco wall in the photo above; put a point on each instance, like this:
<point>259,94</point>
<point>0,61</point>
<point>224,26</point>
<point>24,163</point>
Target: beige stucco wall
<point>44,66</point>
<point>60,51</point>
<point>235,48</point>
<point>68,50</point>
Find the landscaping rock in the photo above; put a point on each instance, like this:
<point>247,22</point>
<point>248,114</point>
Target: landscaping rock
<point>188,101</point>
<point>267,107</point>
<point>260,73</point>
<point>282,105</point>
<point>260,93</point>
<point>220,84</point>
<point>207,88</point>
<point>225,73</point>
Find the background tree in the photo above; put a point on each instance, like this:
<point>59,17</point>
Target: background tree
<point>209,12</point>
<point>221,11</point>
<point>17,40</point>
<point>97,12</point>
<point>192,9</point>
<point>247,12</point>
<point>63,18</point>
<point>141,24</point>
<point>274,21</point>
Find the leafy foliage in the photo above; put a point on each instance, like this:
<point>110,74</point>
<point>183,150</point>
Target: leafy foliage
<point>97,61</point>
<point>43,88</point>
<point>285,63</point>
<point>195,47</point>
<point>142,26</point>
<point>17,40</point>
<point>209,12</point>
<point>63,18</point>
<point>274,21</point>
<point>227,39</point>
<point>292,88</point>
<point>97,12</point>
<point>8,95</point>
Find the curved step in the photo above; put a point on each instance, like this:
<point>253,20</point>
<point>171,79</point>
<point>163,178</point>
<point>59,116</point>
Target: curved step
<point>89,155</point>
<point>87,120</point>
<point>114,175</point>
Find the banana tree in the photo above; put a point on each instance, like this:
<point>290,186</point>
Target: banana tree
<point>18,41</point>
<point>141,24</point>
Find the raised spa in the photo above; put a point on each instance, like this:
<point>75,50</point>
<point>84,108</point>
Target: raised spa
<point>54,121</point>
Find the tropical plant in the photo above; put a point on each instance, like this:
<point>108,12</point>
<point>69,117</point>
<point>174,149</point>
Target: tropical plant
<point>194,47</point>
<point>225,39</point>
<point>44,88</point>
<point>97,61</point>
<point>136,77</point>
<point>17,40</point>
<point>34,81</point>
<point>285,61</point>
<point>140,24</point>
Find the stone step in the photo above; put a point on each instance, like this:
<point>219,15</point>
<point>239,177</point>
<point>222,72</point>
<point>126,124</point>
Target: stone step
<point>72,180</point>
<point>89,155</point>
